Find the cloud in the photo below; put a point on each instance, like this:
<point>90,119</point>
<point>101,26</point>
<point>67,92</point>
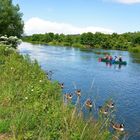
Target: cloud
<point>36,25</point>
<point>126,1</point>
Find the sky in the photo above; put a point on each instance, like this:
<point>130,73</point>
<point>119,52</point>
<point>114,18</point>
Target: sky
<point>78,16</point>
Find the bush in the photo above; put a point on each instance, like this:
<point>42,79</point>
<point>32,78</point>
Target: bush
<point>135,49</point>
<point>11,41</point>
<point>77,45</point>
<point>67,44</point>
<point>55,43</point>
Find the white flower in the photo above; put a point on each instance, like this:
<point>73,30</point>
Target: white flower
<point>4,37</point>
<point>13,40</point>
<point>32,90</point>
<point>26,98</point>
<point>19,41</point>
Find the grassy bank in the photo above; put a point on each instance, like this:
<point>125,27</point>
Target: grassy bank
<point>85,47</point>
<point>135,49</point>
<point>55,43</point>
<point>32,107</point>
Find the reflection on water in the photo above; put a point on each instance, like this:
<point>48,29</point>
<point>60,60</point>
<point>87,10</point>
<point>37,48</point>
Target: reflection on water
<point>97,81</point>
<point>115,66</point>
<point>135,57</point>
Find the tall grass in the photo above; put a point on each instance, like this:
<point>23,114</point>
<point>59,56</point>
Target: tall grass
<point>32,107</point>
<point>135,49</point>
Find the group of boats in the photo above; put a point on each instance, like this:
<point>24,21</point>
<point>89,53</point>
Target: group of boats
<point>109,59</point>
<point>113,61</point>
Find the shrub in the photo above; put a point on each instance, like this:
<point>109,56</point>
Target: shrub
<point>135,49</point>
<point>11,41</point>
<point>77,45</point>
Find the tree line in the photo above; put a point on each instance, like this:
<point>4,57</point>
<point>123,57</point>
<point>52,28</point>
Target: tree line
<point>125,41</point>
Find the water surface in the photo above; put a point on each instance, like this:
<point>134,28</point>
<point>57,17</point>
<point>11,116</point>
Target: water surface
<point>98,81</point>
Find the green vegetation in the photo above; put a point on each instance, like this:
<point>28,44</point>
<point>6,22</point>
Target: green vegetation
<point>126,41</point>
<point>11,23</point>
<point>11,41</point>
<point>135,49</point>
<point>32,107</point>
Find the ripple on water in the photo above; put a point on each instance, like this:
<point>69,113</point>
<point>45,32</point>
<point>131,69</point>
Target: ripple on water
<point>79,69</point>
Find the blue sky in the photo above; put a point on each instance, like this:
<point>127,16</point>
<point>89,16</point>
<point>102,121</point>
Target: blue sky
<point>80,15</point>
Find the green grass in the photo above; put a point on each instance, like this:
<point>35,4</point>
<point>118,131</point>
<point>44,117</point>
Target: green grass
<point>135,49</point>
<point>56,43</point>
<point>32,107</point>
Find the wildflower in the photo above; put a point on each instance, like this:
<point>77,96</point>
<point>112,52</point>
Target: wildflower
<point>32,90</point>
<point>3,38</point>
<point>40,81</point>
<point>26,98</point>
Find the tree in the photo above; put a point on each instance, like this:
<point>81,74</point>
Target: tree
<point>11,23</point>
<point>69,39</point>
<point>87,39</point>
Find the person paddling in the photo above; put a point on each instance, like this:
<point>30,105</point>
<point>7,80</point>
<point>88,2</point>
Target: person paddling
<point>120,58</point>
<point>106,57</point>
<point>110,58</point>
<point>116,58</point>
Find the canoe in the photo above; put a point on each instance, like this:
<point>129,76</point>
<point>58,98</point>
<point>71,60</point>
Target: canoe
<point>112,61</point>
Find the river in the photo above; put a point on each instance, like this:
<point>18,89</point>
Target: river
<point>98,81</point>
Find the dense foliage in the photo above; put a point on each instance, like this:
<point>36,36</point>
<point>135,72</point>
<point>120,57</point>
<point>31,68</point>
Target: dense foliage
<point>11,23</point>
<point>32,107</point>
<point>126,41</point>
<point>11,41</point>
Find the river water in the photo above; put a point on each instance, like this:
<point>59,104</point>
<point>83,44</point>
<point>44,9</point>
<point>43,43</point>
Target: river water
<point>98,81</point>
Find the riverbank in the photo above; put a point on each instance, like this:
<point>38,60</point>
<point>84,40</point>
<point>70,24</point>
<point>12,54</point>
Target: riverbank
<point>32,107</point>
<point>135,49</point>
<point>54,43</point>
<point>126,41</point>
<point>83,47</point>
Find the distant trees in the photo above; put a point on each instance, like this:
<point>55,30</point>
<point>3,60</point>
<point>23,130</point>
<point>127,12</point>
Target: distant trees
<point>136,38</point>
<point>11,23</point>
<point>87,39</point>
<point>126,41</point>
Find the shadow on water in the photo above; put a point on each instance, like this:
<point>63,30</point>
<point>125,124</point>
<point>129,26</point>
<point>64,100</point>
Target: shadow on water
<point>115,66</point>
